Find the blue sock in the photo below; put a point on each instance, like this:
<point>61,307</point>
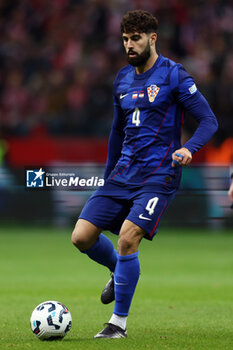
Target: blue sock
<point>126,276</point>
<point>103,252</point>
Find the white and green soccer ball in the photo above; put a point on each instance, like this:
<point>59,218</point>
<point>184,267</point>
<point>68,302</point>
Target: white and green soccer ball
<point>50,320</point>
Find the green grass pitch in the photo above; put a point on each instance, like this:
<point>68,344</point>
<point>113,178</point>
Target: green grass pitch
<point>184,299</point>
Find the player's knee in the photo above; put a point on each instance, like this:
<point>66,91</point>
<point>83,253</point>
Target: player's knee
<point>126,245</point>
<point>84,235</point>
<point>79,240</point>
<point>129,239</point>
<point>79,237</point>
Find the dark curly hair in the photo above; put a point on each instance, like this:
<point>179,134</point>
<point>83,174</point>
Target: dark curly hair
<point>139,21</point>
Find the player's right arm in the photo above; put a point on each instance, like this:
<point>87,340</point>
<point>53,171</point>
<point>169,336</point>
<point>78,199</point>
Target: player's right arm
<point>116,139</point>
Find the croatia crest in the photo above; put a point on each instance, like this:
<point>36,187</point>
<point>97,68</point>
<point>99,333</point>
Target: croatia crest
<point>152,92</point>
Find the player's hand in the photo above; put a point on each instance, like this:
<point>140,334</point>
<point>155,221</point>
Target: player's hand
<point>230,192</point>
<point>181,156</point>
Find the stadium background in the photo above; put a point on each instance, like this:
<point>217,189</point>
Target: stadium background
<point>58,61</point>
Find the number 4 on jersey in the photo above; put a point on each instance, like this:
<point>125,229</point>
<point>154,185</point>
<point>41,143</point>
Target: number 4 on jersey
<point>136,116</point>
<point>151,205</point>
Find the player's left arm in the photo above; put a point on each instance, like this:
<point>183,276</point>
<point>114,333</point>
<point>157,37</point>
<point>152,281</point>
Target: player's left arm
<point>230,192</point>
<point>196,105</point>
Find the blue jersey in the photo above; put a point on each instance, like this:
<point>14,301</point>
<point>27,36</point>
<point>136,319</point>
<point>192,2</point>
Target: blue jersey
<point>147,126</point>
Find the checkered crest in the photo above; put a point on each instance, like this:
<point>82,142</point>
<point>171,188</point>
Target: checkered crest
<point>152,92</point>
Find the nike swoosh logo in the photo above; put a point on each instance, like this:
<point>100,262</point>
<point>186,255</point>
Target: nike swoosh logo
<point>144,218</point>
<point>122,96</point>
<point>121,284</point>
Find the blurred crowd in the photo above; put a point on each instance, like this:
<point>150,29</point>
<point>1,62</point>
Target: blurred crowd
<point>58,60</point>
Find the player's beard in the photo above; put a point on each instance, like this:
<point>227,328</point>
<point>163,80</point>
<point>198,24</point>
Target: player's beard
<point>139,59</point>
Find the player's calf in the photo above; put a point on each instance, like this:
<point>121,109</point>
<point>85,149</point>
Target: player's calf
<point>88,239</point>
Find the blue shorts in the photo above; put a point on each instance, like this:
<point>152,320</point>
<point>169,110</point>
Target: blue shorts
<point>107,209</point>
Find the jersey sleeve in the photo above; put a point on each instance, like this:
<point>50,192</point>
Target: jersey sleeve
<point>187,94</point>
<point>116,137</point>
<point>183,85</point>
<point>200,110</point>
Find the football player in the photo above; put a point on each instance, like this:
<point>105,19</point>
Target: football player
<point>145,159</point>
